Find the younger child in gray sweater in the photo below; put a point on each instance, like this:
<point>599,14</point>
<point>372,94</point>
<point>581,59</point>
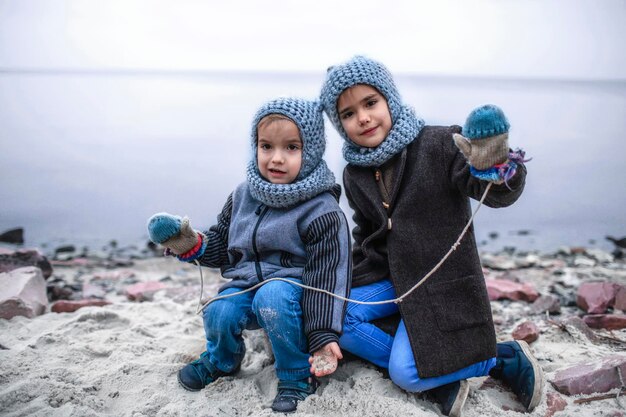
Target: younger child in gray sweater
<point>284,221</point>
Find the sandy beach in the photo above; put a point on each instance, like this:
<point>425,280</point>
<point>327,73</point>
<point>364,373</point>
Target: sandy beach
<point>122,359</point>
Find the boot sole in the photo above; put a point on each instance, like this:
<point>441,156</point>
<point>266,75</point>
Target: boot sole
<point>460,399</point>
<point>539,378</point>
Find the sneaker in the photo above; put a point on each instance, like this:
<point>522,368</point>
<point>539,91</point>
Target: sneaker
<point>290,392</point>
<point>451,397</point>
<point>196,375</point>
<point>517,367</point>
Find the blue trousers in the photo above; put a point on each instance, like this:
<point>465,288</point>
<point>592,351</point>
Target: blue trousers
<point>275,307</point>
<point>367,341</point>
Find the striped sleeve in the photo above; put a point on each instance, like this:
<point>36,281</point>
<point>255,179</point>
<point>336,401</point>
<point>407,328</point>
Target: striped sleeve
<point>216,253</point>
<point>328,267</point>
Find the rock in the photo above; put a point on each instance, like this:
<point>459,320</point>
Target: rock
<point>606,321</point>
<point>58,289</point>
<point>545,303</point>
<point>65,249</point>
<point>527,331</point>
<point>591,377</point>
<point>13,236</point>
<point>583,261</point>
<point>22,293</point>
<point>71,306</point>
<point>499,263</point>
<point>576,327</point>
<point>620,299</point>
<point>10,260</point>
<point>600,255</point>
<point>596,297</point>
<point>619,242</point>
<point>503,289</point>
<point>143,291</point>
<point>555,404</point>
<point>567,297</point>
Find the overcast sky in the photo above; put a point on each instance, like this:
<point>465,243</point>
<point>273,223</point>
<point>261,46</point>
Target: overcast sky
<point>579,39</point>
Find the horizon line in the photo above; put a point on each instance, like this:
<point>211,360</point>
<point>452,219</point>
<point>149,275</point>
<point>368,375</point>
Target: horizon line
<point>134,72</point>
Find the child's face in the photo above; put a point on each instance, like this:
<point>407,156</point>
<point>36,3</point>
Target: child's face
<point>279,151</point>
<point>364,115</point>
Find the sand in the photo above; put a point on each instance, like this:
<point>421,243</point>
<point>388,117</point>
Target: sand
<point>122,360</point>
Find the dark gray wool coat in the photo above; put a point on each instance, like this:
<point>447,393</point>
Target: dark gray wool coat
<point>448,318</point>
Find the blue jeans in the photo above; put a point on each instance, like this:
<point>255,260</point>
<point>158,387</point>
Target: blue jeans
<point>394,353</point>
<point>275,307</point>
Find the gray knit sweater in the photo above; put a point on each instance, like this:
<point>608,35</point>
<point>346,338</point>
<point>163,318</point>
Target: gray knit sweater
<point>252,242</point>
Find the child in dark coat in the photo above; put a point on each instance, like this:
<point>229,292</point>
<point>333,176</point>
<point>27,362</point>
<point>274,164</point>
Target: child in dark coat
<point>409,186</point>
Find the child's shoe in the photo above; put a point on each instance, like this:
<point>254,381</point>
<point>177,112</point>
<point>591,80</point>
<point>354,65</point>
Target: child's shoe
<point>451,397</point>
<point>517,367</point>
<point>196,375</point>
<point>290,392</point>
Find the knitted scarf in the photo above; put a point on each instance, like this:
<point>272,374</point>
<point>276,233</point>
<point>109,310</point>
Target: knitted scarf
<point>405,129</point>
<point>286,195</point>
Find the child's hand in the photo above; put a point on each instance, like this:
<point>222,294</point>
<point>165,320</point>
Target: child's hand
<point>485,138</point>
<point>485,153</point>
<point>324,361</point>
<point>173,232</point>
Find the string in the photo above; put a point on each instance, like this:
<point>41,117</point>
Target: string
<point>202,306</point>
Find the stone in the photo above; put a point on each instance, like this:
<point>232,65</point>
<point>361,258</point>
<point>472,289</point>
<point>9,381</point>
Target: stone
<point>555,404</point>
<point>10,260</point>
<point>591,377</point>
<point>576,327</point>
<point>71,306</point>
<point>596,297</point>
<point>620,299</point>
<point>497,262</point>
<point>143,291</point>
<point>503,289</point>
<point>22,293</point>
<point>606,321</point>
<point>526,331</point>
<point>545,303</point>
<point>13,236</point>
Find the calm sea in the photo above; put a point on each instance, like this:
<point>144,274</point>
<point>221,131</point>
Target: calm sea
<point>88,157</point>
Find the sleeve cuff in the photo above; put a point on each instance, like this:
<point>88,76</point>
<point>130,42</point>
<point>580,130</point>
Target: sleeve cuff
<point>196,252</point>
<point>321,338</point>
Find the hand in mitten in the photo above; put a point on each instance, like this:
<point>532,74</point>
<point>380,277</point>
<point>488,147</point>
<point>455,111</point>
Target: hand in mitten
<point>173,232</point>
<point>484,141</point>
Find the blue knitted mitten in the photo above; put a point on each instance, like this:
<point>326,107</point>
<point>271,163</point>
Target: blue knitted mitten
<point>484,142</point>
<point>173,232</point>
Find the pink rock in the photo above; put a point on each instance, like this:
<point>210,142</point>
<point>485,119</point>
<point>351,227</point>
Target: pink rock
<point>596,297</point>
<point>606,321</point>
<point>65,306</point>
<point>500,288</point>
<point>143,291</point>
<point>22,293</point>
<point>10,260</point>
<point>620,298</point>
<point>555,404</point>
<point>590,377</point>
<point>526,331</point>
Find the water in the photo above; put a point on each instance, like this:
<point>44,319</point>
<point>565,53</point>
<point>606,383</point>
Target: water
<point>88,157</point>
